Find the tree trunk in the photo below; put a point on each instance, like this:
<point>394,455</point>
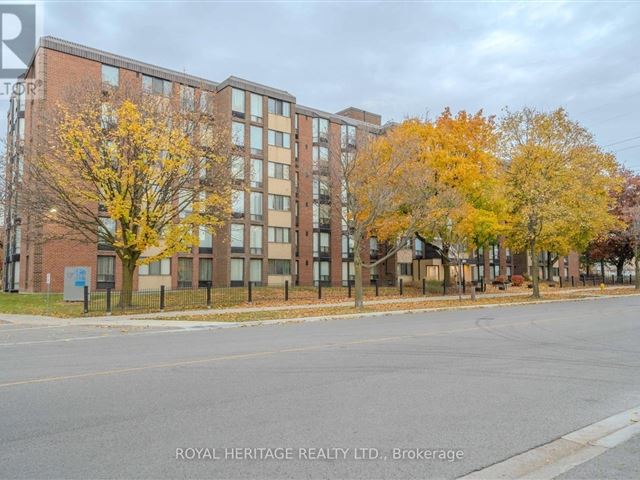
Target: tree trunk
<point>620,271</point>
<point>637,262</point>
<point>446,265</point>
<point>549,266</point>
<point>534,269</point>
<point>602,269</point>
<point>459,279</point>
<point>128,267</point>
<point>357,266</point>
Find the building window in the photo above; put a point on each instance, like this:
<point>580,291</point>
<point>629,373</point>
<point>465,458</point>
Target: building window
<point>256,206</point>
<point>279,139</point>
<point>237,271</point>
<point>256,139</point>
<point>321,188</point>
<point>206,101</point>
<point>279,235</point>
<point>255,271</point>
<point>347,136</point>
<point>237,237</point>
<point>348,273</point>
<point>185,272</point>
<point>255,240</point>
<point>237,133</point>
<point>237,168</point>
<point>419,248</point>
<point>405,269</point>
<point>159,267</point>
<point>206,240</point>
<point>108,231</point>
<point>321,215</point>
<point>256,108</point>
<point>373,247</point>
<point>320,157</point>
<point>279,170</point>
<point>279,267</point>
<point>156,85</point>
<point>321,242</point>
<point>321,272</point>
<point>105,277</point>
<point>256,173</point>
<point>237,101</point>
<point>187,97</point>
<point>320,130</point>
<point>237,203</point>
<point>347,245</point>
<point>110,75</point>
<point>279,202</point>
<point>205,272</point>
<point>279,107</point>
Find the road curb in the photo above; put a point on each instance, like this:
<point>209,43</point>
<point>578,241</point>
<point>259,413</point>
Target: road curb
<point>561,455</point>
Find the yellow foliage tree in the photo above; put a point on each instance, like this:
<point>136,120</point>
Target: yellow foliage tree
<point>468,210</point>
<point>382,195</point>
<point>156,168</point>
<point>558,184</point>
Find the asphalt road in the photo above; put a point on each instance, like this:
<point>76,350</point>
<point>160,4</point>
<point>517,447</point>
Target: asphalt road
<point>86,402</point>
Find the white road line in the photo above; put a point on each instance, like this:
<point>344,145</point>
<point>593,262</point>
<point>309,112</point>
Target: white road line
<point>92,337</point>
<point>561,455</point>
<point>7,330</point>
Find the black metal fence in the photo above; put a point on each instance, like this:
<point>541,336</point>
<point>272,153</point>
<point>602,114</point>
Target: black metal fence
<point>150,300</point>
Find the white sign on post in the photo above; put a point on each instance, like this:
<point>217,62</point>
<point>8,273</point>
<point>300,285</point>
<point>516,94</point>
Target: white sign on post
<point>48,279</point>
<point>75,279</point>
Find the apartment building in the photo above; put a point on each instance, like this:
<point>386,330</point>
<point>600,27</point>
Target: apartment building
<point>286,226</point>
<point>287,222</point>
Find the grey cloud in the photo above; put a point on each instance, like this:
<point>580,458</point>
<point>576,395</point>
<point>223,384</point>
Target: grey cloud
<point>398,59</point>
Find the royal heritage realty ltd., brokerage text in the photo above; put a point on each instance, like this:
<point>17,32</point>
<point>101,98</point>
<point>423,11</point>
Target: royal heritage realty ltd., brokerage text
<point>316,453</point>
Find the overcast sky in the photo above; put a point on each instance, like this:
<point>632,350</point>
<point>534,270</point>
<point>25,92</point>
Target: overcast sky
<point>396,59</point>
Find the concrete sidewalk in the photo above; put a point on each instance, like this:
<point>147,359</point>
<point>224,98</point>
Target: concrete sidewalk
<point>156,319</point>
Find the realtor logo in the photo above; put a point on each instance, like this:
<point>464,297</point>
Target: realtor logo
<point>18,36</point>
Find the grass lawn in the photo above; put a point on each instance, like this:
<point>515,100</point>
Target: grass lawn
<point>36,304</point>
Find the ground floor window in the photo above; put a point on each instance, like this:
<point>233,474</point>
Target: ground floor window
<point>205,272</point>
<point>279,267</point>
<point>405,269</point>
<point>321,272</point>
<point>255,270</point>
<point>185,272</point>
<point>105,276</point>
<point>237,272</point>
<point>159,267</point>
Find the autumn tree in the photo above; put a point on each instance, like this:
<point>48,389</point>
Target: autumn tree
<point>616,246</point>
<point>558,184</point>
<point>381,193</point>
<point>153,165</point>
<point>466,211</point>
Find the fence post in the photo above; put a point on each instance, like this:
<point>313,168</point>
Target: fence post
<point>573,281</point>
<point>286,290</point>
<point>584,281</point>
<point>444,287</point>
<point>424,286</point>
<point>109,300</point>
<point>377,293</point>
<point>594,280</point>
<point>85,298</point>
<point>560,281</point>
<point>481,284</point>
<point>161,297</point>
<point>208,295</point>
<point>319,290</point>
<point>349,288</point>
<point>250,293</point>
<point>401,287</point>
